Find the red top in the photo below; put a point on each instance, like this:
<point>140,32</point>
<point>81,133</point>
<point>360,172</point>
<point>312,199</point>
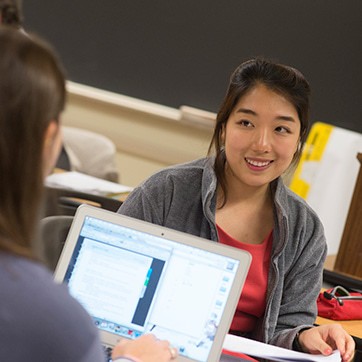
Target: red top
<point>252,302</point>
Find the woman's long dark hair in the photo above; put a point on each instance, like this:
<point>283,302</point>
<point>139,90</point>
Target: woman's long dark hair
<point>32,94</point>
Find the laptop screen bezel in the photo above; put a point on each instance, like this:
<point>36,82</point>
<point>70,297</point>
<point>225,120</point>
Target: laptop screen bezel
<point>243,257</point>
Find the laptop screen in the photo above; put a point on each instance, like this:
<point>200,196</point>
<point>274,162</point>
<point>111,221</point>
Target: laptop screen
<point>133,282</point>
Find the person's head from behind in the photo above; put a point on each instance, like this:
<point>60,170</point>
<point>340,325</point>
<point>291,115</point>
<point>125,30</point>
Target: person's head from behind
<point>32,96</point>
<point>268,105</point>
<point>10,13</point>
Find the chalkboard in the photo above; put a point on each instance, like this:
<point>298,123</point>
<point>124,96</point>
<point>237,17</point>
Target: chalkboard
<point>182,52</point>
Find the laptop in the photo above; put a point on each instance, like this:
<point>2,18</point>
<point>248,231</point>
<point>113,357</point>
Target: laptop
<point>134,277</point>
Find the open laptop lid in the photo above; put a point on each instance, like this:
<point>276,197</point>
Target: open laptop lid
<point>134,277</point>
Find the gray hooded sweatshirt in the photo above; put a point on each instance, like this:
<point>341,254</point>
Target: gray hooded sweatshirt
<point>183,197</point>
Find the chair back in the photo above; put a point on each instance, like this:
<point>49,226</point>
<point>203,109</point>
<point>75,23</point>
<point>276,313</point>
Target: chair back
<point>52,233</point>
<point>60,201</point>
<point>90,153</point>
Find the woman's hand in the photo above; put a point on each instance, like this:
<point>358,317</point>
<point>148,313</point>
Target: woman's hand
<point>326,338</point>
<point>145,349</point>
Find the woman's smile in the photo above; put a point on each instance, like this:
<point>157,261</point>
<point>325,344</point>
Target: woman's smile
<point>257,165</point>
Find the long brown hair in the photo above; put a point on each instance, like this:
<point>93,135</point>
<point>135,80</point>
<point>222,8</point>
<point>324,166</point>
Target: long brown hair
<point>280,78</point>
<point>32,94</point>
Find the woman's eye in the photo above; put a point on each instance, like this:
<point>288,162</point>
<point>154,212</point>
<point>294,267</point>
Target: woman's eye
<point>282,130</point>
<point>245,123</point>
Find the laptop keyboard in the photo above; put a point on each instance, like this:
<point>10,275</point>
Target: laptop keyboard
<point>108,353</point>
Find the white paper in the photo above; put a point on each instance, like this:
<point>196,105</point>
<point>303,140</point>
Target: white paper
<point>85,183</point>
<point>262,350</point>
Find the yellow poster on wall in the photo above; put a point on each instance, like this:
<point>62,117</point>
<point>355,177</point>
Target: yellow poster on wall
<point>312,152</point>
<point>326,176</point>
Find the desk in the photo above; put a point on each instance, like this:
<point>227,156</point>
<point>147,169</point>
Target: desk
<point>81,188</point>
<point>354,328</point>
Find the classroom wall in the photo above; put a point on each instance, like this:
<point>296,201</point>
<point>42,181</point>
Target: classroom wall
<point>167,54</point>
<point>182,52</point>
<point>147,136</point>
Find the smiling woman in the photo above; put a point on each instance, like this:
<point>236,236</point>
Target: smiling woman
<point>236,196</point>
<point>260,139</point>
